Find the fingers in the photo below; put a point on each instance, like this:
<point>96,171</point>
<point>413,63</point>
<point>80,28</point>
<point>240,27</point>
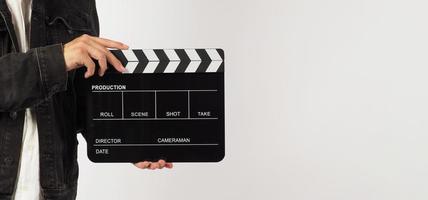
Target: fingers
<point>102,59</point>
<point>79,52</point>
<point>90,66</point>
<point>111,43</point>
<point>143,165</point>
<point>99,53</point>
<point>115,62</point>
<point>109,56</point>
<point>153,165</point>
<point>161,164</point>
<point>169,165</point>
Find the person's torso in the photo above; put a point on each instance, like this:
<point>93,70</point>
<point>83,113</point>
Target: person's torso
<point>54,21</point>
<point>28,184</point>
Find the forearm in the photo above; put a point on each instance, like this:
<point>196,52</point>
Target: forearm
<point>27,79</point>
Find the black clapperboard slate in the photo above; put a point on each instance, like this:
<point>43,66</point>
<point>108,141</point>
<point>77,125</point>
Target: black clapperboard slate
<point>168,105</point>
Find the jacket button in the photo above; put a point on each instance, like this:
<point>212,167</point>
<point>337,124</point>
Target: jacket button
<point>8,161</point>
<point>13,115</point>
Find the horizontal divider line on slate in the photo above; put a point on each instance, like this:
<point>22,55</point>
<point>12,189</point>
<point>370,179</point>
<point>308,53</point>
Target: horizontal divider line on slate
<point>171,60</point>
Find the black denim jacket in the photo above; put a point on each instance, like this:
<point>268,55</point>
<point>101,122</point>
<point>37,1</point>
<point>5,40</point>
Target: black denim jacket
<point>38,79</point>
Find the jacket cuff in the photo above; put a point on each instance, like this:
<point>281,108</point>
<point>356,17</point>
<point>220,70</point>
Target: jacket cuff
<point>52,68</point>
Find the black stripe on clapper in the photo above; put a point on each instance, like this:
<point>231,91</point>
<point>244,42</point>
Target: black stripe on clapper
<point>221,53</point>
<point>143,61</point>
<point>163,60</point>
<point>205,60</point>
<point>184,61</point>
<point>120,56</point>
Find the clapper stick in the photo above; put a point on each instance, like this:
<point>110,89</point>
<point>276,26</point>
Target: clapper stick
<point>171,60</point>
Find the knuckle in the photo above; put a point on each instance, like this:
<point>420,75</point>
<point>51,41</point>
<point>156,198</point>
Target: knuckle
<point>81,44</point>
<point>105,51</point>
<point>85,36</point>
<point>98,55</point>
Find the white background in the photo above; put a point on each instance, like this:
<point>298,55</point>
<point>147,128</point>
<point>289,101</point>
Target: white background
<point>326,99</point>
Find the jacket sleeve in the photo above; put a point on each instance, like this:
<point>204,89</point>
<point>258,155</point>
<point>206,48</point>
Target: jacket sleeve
<point>27,79</point>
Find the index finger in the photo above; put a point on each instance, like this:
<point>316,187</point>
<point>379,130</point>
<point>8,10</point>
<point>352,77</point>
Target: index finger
<point>111,43</point>
<point>115,62</point>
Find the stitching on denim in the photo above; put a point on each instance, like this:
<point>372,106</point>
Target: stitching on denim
<point>40,71</point>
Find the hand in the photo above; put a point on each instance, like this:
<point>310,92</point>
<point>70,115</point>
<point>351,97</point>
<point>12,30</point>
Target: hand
<point>83,49</point>
<point>154,165</point>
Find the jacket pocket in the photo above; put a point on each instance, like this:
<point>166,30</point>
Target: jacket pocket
<point>64,27</point>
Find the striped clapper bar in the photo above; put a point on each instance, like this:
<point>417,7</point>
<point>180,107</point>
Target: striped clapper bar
<point>168,105</point>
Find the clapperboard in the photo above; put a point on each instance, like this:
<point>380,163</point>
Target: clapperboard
<point>168,105</point>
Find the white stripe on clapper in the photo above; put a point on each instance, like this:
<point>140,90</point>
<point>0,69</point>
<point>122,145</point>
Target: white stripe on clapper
<point>195,60</point>
<point>153,61</point>
<point>174,61</point>
<point>216,60</point>
<point>132,61</point>
<point>130,67</point>
<point>130,56</point>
